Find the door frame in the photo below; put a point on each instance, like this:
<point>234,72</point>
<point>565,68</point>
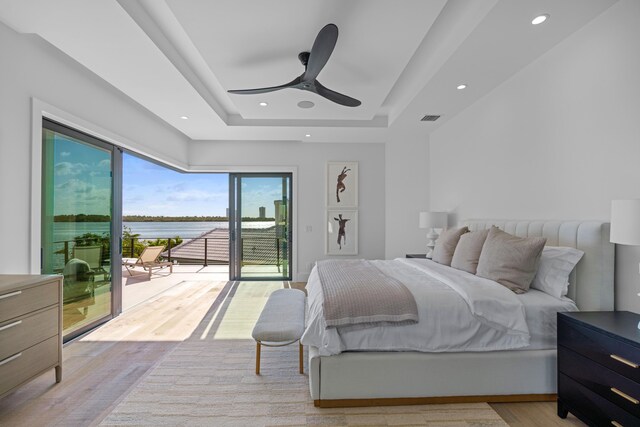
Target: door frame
<point>41,109</point>
<point>235,269</point>
<point>116,215</point>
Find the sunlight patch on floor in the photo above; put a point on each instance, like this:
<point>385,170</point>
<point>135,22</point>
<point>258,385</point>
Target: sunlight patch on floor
<point>172,314</point>
<point>241,313</point>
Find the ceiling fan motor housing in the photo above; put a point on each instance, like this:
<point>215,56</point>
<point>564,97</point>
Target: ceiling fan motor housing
<point>304,58</point>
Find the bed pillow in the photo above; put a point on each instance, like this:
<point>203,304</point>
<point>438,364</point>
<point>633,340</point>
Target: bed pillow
<point>510,260</point>
<point>468,250</point>
<point>446,245</point>
<point>556,264</point>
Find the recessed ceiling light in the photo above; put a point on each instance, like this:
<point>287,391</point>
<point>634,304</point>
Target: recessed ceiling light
<point>308,135</point>
<point>460,87</point>
<point>540,19</point>
<point>184,117</point>
<point>263,104</point>
<point>306,104</point>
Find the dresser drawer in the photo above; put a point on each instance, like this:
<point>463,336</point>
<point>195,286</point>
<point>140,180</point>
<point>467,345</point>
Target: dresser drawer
<point>616,388</point>
<point>20,367</point>
<point>23,332</point>
<point>24,301</point>
<point>591,407</point>
<point>607,351</point>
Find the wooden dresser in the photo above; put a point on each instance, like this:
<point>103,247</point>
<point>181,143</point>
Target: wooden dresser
<point>598,367</point>
<point>30,328</point>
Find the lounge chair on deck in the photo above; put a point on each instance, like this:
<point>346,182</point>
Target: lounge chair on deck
<point>148,260</point>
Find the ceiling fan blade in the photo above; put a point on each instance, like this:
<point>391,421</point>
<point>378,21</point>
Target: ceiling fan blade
<point>336,97</point>
<point>292,83</point>
<point>321,51</point>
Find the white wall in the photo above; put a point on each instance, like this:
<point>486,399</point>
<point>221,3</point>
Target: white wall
<point>406,188</point>
<point>33,68</point>
<point>311,160</point>
<point>559,140</point>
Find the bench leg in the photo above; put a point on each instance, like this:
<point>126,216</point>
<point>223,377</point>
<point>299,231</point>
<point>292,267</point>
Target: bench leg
<point>301,358</point>
<point>257,358</point>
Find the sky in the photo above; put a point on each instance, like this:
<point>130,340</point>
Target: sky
<point>150,189</point>
<point>81,178</point>
<point>82,182</point>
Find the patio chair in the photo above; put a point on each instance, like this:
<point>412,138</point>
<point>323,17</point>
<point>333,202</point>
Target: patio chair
<point>92,255</point>
<point>79,285</point>
<point>148,260</point>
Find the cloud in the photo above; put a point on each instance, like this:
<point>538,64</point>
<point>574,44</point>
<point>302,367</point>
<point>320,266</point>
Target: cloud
<point>194,195</point>
<point>65,154</point>
<point>76,196</point>
<point>75,186</point>
<point>68,168</point>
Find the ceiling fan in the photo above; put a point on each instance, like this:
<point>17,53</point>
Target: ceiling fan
<point>313,62</point>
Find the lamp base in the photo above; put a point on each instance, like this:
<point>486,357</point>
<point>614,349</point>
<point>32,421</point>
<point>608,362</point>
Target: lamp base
<point>432,236</point>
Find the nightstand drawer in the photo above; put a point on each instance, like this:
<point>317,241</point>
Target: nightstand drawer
<point>607,351</point>
<point>588,405</point>
<point>605,382</point>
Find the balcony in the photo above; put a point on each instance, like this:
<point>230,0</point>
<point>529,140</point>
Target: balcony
<point>85,263</point>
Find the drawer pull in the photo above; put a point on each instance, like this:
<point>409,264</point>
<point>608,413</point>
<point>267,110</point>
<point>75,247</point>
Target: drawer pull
<point>9,359</point>
<point>616,424</point>
<point>625,395</point>
<point>11,294</point>
<point>623,360</point>
<point>10,325</point>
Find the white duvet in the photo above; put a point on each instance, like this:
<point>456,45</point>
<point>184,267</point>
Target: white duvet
<point>457,310</point>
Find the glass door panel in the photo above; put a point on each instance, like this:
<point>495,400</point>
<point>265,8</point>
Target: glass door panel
<point>77,207</point>
<point>260,224</point>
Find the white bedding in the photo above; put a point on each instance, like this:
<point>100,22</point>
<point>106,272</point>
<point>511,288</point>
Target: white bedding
<point>458,312</point>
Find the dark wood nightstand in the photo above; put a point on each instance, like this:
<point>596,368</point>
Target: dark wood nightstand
<point>415,255</point>
<point>598,367</point>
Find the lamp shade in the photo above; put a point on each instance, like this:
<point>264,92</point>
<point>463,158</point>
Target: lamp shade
<point>625,222</point>
<point>433,219</point>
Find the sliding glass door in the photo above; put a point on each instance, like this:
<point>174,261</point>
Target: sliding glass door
<point>80,229</point>
<point>260,226</point>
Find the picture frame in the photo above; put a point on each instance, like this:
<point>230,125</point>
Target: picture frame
<point>341,232</point>
<point>342,185</point>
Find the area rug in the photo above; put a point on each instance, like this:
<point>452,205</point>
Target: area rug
<point>209,380</point>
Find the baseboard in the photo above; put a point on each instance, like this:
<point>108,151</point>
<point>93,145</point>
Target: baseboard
<point>397,401</point>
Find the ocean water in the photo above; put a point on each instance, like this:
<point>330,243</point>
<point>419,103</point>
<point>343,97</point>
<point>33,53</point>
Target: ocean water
<point>147,230</point>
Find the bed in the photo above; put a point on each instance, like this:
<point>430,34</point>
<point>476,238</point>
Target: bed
<point>361,377</point>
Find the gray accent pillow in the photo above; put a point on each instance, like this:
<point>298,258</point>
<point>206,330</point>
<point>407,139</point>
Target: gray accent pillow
<point>446,245</point>
<point>468,251</point>
<point>510,260</point>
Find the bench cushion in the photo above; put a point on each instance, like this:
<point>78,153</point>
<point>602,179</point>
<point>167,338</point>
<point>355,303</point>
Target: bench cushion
<point>282,318</point>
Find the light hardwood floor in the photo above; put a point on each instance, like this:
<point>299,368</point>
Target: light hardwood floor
<point>100,368</point>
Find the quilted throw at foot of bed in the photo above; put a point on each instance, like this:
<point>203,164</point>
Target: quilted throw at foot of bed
<point>357,294</point>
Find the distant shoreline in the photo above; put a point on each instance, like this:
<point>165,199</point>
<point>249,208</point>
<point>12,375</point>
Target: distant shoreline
<point>148,218</point>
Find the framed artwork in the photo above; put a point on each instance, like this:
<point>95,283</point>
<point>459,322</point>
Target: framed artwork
<point>342,232</point>
<point>342,185</point>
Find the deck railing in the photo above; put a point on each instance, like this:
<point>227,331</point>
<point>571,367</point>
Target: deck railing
<point>266,250</point>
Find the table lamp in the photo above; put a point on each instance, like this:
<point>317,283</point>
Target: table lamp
<point>625,223</point>
<point>432,220</point>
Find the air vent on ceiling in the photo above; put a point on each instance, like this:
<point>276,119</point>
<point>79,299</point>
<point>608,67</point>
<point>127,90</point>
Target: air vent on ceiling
<point>429,118</point>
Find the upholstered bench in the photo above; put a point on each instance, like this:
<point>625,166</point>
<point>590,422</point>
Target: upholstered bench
<point>281,322</point>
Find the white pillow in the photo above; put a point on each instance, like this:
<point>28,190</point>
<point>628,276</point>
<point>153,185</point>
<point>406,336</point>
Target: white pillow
<point>556,264</point>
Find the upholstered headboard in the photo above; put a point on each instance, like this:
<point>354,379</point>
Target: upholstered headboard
<point>591,283</point>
